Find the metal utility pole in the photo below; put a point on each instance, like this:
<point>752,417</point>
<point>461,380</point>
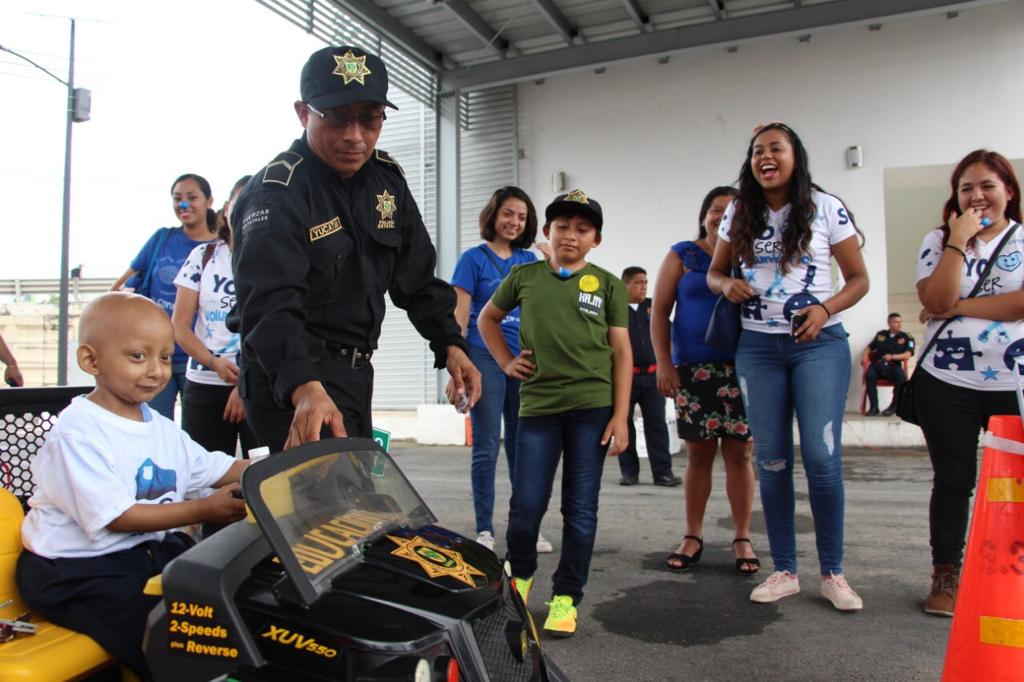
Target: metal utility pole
<point>65,233</point>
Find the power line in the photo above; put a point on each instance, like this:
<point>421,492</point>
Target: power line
<point>41,68</point>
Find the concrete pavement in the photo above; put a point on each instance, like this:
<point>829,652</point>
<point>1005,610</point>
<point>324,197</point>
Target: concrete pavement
<point>640,622</point>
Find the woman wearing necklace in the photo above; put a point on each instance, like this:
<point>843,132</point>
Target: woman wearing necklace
<point>702,381</point>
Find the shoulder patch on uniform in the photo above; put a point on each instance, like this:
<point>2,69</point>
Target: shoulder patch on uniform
<point>384,157</point>
<point>279,171</point>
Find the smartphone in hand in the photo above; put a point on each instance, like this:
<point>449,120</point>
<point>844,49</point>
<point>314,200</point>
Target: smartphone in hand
<point>796,322</point>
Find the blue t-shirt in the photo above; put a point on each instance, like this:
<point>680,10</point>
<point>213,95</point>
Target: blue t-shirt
<point>479,272</point>
<point>694,303</point>
<point>161,289</point>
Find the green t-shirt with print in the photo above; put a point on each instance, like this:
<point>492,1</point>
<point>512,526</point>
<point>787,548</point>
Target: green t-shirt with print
<point>565,323</point>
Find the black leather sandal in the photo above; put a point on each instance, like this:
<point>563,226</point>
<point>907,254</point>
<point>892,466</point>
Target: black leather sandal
<point>747,566</point>
<point>680,563</point>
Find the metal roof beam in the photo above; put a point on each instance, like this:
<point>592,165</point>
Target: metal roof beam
<point>637,14</point>
<point>477,26</point>
<point>555,17</point>
<point>718,9</point>
<point>382,22</point>
<point>745,28</point>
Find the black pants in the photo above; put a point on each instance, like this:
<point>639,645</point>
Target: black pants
<point>99,596</point>
<point>351,389</point>
<point>652,407</point>
<point>951,419</point>
<point>893,371</point>
<point>202,418</point>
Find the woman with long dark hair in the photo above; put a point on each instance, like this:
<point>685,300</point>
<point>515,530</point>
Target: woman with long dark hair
<point>970,373</point>
<point>154,268</point>
<point>508,226</point>
<point>212,411</point>
<point>782,233</point>
<point>702,382</point>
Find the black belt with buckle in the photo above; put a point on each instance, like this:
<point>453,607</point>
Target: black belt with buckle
<point>356,357</point>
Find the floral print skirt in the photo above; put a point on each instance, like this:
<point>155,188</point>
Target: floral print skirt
<point>709,404</point>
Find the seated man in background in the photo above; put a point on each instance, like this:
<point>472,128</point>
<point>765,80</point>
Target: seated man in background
<point>886,354</point>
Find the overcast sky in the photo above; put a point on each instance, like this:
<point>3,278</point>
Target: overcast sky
<point>203,86</point>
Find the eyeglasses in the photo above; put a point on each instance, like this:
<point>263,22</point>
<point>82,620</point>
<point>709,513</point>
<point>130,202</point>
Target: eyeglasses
<point>367,120</point>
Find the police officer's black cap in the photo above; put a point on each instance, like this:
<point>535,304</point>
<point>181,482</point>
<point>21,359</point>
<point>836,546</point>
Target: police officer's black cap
<point>574,203</point>
<point>341,75</point>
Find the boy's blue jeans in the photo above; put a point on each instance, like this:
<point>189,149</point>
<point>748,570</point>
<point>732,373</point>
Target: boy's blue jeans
<point>499,398</point>
<point>540,444</point>
<point>778,376</point>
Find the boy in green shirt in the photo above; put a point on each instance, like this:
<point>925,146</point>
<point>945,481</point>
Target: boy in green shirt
<point>576,368</point>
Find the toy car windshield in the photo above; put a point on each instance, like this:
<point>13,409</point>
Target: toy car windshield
<point>320,503</point>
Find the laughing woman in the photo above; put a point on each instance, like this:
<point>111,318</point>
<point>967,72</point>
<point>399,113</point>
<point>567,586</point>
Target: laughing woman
<point>783,232</point>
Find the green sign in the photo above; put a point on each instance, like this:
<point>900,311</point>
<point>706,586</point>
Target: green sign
<point>383,438</point>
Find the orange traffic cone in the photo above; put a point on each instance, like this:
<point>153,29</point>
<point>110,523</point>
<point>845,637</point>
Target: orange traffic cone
<point>987,638</point>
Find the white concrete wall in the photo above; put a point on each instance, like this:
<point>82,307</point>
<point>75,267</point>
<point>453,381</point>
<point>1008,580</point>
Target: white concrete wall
<point>647,140</point>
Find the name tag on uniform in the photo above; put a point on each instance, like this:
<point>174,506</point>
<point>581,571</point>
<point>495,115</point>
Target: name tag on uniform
<point>324,229</point>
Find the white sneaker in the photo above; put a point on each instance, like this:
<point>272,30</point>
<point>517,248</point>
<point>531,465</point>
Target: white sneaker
<point>778,585</point>
<point>543,545</point>
<point>838,591</point>
<point>486,538</point>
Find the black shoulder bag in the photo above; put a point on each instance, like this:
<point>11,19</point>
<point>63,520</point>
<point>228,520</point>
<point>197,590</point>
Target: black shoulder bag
<point>905,406</point>
<point>724,326</point>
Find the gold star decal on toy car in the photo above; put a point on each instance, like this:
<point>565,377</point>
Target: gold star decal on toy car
<point>436,561</point>
<point>351,68</point>
<point>578,196</point>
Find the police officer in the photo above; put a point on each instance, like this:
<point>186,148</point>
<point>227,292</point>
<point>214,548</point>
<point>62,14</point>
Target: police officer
<point>644,390</point>
<point>323,231</point>
<point>886,354</point>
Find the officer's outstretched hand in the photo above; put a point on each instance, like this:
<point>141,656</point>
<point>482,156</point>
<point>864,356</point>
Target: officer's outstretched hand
<point>314,409</point>
<point>465,376</point>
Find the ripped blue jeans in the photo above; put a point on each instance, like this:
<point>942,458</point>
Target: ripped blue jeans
<point>779,377</point>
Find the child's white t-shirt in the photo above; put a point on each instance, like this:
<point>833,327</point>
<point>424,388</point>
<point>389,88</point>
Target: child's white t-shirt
<point>973,352</point>
<point>809,279</point>
<point>216,286</point>
<point>95,465</point>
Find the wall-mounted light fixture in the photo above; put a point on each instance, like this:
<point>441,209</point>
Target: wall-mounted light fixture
<point>854,156</point>
<point>558,181</point>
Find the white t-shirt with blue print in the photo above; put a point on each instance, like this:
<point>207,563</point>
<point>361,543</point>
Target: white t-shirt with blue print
<point>95,465</point>
<point>973,352</point>
<point>216,286</point>
<point>778,295</point>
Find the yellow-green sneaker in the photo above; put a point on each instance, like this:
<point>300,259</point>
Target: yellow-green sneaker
<point>561,621</point>
<point>523,586</point>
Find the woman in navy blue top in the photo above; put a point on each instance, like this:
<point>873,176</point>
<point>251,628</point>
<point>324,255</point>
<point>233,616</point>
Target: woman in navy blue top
<point>153,270</point>
<point>702,380</point>
<point>508,226</point>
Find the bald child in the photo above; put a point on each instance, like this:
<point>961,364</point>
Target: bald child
<point>111,480</point>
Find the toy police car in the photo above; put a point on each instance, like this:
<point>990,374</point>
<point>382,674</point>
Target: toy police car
<point>339,573</point>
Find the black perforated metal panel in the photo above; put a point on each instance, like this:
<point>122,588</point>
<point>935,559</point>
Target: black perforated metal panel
<point>26,416</point>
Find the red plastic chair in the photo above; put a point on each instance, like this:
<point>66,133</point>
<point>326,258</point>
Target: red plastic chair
<point>864,363</point>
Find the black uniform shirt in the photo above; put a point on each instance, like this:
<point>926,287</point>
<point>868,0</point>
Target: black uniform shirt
<point>887,343</point>
<point>313,255</point>
<point>640,334</point>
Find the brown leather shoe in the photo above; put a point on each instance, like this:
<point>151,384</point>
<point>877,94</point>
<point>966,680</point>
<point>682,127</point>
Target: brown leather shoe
<point>942,599</point>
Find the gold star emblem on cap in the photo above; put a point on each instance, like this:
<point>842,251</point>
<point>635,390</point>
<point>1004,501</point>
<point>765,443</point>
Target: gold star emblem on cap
<point>386,205</point>
<point>436,561</point>
<point>578,196</point>
<point>351,68</point>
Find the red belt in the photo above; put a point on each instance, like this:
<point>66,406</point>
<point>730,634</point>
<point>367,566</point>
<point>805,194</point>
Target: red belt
<point>649,369</point>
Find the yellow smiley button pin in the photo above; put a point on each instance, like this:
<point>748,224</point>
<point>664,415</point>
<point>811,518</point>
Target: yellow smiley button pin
<point>589,283</point>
